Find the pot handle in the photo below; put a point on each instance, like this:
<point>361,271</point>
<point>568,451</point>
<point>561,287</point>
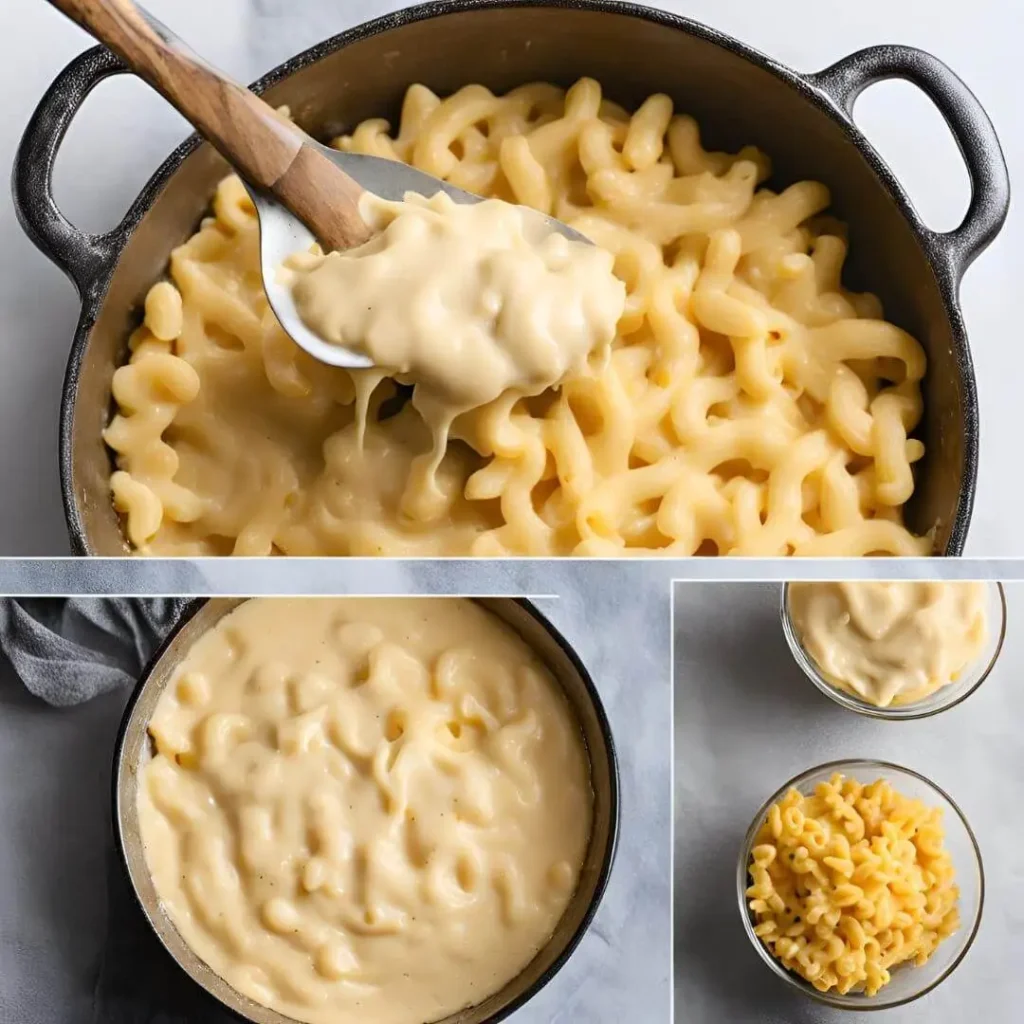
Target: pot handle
<point>84,257</point>
<point>975,136</point>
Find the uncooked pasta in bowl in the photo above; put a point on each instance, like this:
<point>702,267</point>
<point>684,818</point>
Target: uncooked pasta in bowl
<point>860,884</point>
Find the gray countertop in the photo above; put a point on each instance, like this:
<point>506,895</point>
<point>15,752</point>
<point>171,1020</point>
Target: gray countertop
<point>746,720</point>
<point>124,131</point>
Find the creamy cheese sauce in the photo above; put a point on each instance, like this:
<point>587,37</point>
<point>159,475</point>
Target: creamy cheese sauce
<point>890,642</point>
<point>467,302</point>
<point>364,809</point>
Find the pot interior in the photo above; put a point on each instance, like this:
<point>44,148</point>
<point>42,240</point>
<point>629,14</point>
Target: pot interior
<point>135,749</point>
<point>735,101</point>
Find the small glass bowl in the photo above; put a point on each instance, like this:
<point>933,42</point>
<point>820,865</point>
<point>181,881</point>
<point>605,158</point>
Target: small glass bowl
<point>908,982</point>
<point>942,699</point>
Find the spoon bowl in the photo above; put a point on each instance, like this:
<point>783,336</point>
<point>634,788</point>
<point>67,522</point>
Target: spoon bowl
<point>282,234</point>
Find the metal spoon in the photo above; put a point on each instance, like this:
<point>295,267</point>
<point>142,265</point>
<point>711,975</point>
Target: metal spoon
<point>303,191</point>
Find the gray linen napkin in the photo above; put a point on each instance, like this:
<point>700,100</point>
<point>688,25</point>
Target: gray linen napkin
<point>66,651</point>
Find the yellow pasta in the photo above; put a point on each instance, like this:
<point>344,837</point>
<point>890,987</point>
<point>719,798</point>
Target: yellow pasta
<point>851,882</point>
<point>751,405</point>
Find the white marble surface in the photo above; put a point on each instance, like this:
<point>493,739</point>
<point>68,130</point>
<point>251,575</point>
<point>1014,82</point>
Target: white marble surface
<point>55,771</point>
<point>747,719</point>
<point>124,131</point>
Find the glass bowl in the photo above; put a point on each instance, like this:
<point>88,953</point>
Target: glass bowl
<point>908,982</point>
<point>942,699</point>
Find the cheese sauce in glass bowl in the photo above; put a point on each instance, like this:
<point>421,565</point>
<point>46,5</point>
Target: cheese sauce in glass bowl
<point>895,649</point>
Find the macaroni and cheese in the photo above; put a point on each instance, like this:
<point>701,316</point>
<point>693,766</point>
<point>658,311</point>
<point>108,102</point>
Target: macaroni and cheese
<point>466,303</point>
<point>364,809</point>
<point>850,882</point>
<point>890,642</point>
<point>750,404</point>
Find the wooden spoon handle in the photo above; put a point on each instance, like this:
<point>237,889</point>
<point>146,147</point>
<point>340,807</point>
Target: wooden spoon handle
<point>268,150</point>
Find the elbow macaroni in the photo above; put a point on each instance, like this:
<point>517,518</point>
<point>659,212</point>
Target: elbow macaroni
<point>851,882</point>
<point>751,405</point>
<point>364,809</point>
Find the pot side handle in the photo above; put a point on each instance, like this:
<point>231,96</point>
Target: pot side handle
<point>84,257</point>
<point>974,133</point>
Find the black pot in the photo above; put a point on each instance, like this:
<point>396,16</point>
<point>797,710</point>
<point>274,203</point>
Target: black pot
<point>738,95</point>
<point>134,747</point>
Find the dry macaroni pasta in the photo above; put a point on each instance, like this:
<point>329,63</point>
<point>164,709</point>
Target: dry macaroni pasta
<point>851,882</point>
<point>751,405</point>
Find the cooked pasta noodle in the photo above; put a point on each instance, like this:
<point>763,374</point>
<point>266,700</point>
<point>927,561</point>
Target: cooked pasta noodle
<point>364,809</point>
<point>751,405</point>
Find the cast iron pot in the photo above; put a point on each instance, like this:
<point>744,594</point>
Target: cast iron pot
<point>134,748</point>
<point>738,95</point>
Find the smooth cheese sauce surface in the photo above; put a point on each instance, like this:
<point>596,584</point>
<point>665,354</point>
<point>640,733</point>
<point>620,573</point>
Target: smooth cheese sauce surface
<point>890,642</point>
<point>465,301</point>
<point>364,809</point>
